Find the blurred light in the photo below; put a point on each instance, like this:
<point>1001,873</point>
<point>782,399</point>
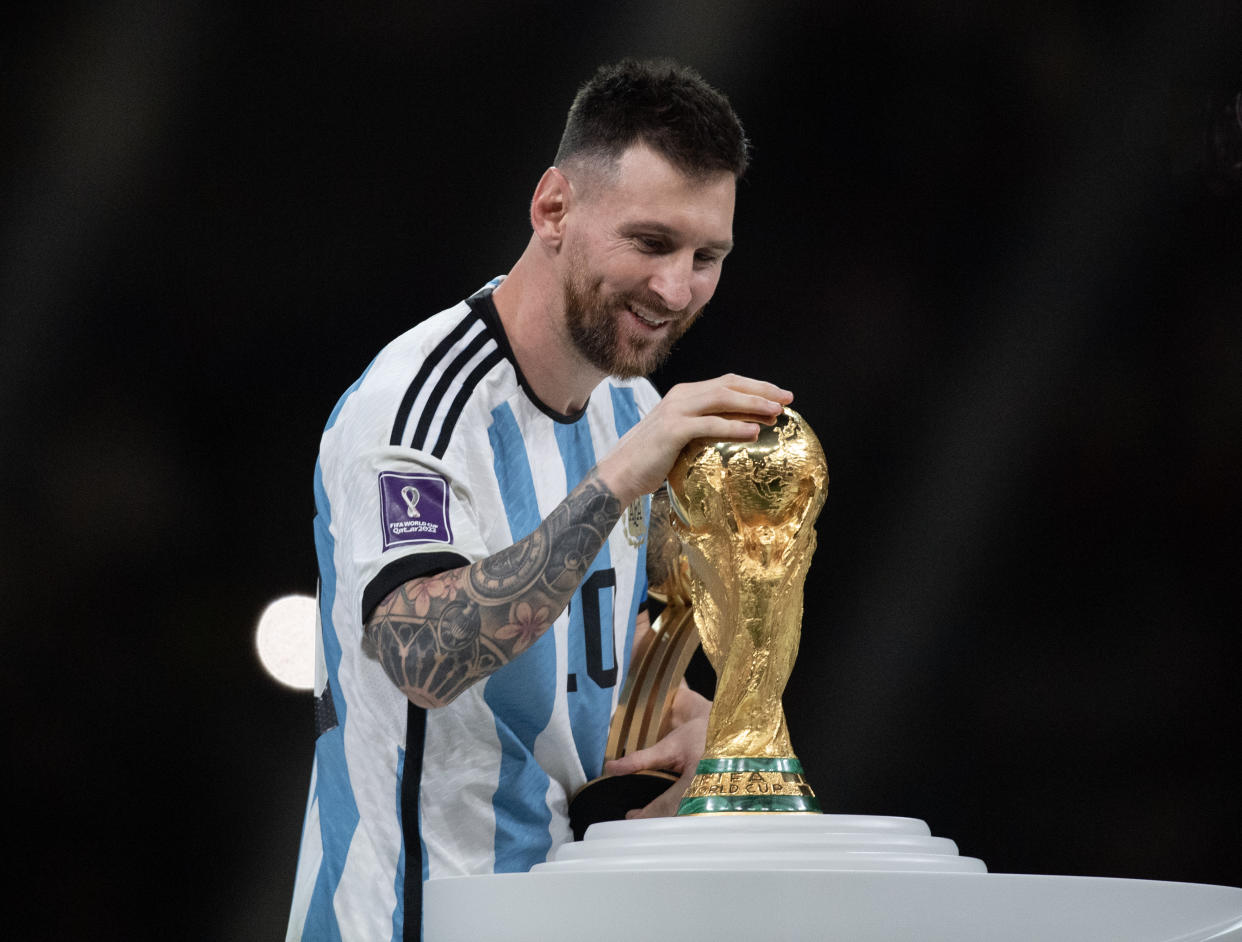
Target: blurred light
<point>285,640</point>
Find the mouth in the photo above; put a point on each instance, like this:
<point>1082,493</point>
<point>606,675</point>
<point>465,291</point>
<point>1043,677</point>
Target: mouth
<point>653,323</point>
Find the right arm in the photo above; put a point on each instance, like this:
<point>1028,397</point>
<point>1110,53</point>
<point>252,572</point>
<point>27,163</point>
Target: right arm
<point>437,635</point>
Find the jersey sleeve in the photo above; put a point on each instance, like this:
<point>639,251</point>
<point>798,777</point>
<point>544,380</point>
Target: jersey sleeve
<point>396,513</point>
<point>423,522</point>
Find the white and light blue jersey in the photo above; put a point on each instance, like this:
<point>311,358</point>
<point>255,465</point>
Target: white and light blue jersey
<point>440,455</point>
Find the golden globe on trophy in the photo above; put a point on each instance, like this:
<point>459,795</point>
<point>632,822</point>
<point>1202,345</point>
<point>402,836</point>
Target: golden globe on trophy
<point>745,514</point>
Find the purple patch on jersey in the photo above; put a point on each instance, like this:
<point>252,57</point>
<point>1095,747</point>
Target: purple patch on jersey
<point>414,508</point>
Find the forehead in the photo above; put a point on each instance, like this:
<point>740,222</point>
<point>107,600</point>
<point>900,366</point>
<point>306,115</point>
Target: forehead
<point>644,186</point>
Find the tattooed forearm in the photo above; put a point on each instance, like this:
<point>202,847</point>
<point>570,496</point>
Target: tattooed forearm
<point>437,635</point>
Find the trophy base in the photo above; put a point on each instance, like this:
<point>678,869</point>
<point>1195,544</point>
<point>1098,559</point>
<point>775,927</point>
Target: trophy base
<point>610,797</point>
<point>749,785</point>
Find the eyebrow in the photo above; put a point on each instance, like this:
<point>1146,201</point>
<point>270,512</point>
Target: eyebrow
<point>641,225</point>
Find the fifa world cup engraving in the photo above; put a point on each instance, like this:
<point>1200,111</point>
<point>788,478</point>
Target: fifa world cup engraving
<point>745,513</point>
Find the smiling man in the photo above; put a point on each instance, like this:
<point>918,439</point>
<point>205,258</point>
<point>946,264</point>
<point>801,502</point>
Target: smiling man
<point>483,504</point>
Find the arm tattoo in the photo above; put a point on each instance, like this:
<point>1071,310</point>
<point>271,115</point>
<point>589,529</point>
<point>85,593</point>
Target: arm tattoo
<point>437,635</point>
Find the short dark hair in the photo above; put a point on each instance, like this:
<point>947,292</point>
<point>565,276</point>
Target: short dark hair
<point>667,106</point>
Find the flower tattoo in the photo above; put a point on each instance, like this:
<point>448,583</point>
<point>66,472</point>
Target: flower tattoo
<point>526,625</point>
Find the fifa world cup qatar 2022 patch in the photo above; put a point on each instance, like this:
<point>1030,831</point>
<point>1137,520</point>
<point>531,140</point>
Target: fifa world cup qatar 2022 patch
<point>414,508</point>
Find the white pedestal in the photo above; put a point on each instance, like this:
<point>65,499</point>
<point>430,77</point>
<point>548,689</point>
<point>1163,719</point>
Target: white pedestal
<point>817,877</point>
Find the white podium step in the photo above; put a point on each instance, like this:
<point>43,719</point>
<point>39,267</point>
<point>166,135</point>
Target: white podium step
<point>763,842</point>
<point>846,878</point>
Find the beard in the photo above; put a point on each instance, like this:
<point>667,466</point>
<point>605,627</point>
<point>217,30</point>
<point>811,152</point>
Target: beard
<point>593,320</point>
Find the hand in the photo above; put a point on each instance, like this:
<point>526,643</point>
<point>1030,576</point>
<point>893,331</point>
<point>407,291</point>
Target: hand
<point>678,752</point>
<point>727,408</point>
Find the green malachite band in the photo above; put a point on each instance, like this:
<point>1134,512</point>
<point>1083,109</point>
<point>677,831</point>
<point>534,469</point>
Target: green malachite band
<point>758,764</point>
<point>748,804</point>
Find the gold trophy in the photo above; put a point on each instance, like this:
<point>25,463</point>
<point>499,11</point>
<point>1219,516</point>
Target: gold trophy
<point>745,512</point>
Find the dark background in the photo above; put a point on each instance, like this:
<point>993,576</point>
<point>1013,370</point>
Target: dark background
<point>993,248</point>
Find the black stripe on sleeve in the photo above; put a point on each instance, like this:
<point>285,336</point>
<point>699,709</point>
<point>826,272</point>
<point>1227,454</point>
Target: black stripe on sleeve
<point>451,374</point>
<point>430,363</point>
<point>411,779</point>
<point>400,571</point>
<point>459,401</point>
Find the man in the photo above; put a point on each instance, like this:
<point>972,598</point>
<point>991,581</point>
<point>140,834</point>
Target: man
<point>479,603</point>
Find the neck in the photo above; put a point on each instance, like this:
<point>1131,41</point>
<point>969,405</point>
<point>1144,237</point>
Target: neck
<point>532,309</point>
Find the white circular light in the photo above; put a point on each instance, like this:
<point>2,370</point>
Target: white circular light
<point>285,640</point>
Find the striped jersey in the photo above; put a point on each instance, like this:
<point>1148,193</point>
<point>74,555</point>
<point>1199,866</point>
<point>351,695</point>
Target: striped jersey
<point>438,456</point>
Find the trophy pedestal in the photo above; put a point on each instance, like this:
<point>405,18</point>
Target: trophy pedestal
<point>814,877</point>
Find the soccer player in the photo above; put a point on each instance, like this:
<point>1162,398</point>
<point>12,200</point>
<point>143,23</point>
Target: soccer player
<point>483,496</point>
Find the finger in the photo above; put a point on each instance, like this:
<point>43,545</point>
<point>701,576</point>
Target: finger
<point>766,390</point>
<point>723,400</point>
<point>653,757</point>
<point>717,428</point>
<point>735,383</point>
<point>763,418</point>
<point>757,387</point>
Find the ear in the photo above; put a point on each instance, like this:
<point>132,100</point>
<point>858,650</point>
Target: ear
<point>549,206</point>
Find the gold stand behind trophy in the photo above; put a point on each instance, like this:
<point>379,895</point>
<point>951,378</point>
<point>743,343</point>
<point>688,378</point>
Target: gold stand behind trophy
<point>644,709</point>
<point>745,513</point>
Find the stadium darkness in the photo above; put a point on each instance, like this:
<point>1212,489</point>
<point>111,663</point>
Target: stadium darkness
<point>994,253</point>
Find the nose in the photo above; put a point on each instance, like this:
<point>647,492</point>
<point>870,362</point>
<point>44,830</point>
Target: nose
<point>672,281</point>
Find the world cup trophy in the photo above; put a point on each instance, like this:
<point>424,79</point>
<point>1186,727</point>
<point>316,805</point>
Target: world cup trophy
<point>745,513</point>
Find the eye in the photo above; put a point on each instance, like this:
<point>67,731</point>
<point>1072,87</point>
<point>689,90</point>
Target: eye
<point>706,258</point>
<point>650,243</point>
